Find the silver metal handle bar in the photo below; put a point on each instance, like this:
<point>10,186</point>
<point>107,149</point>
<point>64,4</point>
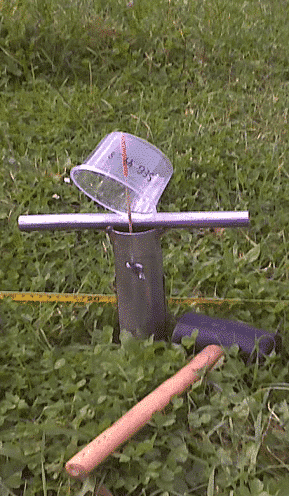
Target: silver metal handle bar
<point>162,220</point>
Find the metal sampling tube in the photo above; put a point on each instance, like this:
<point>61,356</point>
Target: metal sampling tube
<point>138,257</point>
<point>140,283</point>
<point>162,220</point>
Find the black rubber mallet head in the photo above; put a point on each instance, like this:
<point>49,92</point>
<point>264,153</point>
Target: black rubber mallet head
<point>226,333</point>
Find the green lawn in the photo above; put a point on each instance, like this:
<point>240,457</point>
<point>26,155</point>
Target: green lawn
<point>207,82</point>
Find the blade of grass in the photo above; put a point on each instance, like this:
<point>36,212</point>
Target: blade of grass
<point>44,485</point>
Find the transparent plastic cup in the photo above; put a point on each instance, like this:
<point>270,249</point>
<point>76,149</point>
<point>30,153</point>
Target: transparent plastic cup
<point>101,176</point>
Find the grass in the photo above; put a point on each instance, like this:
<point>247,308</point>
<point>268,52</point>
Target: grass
<point>207,83</point>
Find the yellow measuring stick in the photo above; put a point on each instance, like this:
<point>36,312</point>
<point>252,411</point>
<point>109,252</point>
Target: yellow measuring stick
<point>57,297</point>
<point>27,297</point>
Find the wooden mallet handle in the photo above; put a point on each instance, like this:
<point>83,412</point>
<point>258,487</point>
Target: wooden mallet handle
<point>133,420</point>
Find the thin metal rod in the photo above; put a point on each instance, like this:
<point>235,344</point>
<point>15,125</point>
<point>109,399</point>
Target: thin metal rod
<point>125,173</point>
<point>162,220</point>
